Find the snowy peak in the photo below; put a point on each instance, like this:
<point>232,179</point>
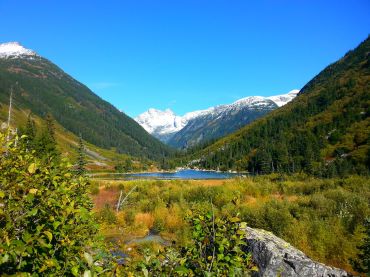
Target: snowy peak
<point>283,99</point>
<point>251,101</point>
<point>160,122</point>
<point>15,50</point>
<point>279,100</point>
<point>164,124</point>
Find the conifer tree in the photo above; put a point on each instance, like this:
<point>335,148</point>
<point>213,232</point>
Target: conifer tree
<point>50,126</point>
<point>81,159</point>
<point>30,127</point>
<point>30,132</point>
<point>363,264</point>
<point>46,144</point>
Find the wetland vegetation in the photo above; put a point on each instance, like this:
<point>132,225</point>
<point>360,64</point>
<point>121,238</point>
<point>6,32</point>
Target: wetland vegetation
<point>322,217</point>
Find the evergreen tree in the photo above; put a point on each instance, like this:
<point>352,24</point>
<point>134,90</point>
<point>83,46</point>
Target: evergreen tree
<point>50,126</point>
<point>46,143</point>
<point>81,159</point>
<point>363,265</point>
<point>30,132</point>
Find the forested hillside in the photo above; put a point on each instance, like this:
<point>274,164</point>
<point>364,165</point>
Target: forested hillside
<point>44,88</point>
<point>324,130</point>
<point>220,121</point>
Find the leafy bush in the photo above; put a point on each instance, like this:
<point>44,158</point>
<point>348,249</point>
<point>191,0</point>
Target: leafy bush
<point>216,250</point>
<point>46,226</point>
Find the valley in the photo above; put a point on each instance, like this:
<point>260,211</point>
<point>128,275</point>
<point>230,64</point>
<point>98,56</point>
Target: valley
<point>263,186</point>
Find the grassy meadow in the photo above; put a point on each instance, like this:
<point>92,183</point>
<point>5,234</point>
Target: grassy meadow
<point>322,217</point>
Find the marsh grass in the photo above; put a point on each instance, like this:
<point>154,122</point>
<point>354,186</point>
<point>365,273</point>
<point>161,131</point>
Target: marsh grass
<point>322,217</point>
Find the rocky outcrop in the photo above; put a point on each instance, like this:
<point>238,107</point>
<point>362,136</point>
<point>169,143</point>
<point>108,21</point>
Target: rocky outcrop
<point>276,257</point>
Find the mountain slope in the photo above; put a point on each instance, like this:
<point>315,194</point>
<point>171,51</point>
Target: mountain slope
<point>325,130</point>
<point>220,121</point>
<point>44,88</point>
<point>203,125</point>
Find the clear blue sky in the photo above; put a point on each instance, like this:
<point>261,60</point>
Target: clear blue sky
<point>187,54</point>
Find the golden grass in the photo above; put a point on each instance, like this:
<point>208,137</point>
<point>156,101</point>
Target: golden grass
<point>145,219</point>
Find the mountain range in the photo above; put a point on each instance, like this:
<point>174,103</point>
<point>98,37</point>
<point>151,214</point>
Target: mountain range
<point>41,87</point>
<point>325,131</point>
<point>203,125</point>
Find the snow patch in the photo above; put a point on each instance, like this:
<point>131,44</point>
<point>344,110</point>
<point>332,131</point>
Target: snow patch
<point>15,50</point>
<point>283,99</point>
<point>162,123</point>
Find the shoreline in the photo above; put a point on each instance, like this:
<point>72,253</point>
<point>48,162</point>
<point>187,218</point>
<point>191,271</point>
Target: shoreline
<point>178,169</point>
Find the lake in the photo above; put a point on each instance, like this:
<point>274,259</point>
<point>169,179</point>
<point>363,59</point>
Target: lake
<point>185,174</point>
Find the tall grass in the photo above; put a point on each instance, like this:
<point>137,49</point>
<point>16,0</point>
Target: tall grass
<point>322,217</point>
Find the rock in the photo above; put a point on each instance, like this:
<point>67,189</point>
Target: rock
<point>276,257</point>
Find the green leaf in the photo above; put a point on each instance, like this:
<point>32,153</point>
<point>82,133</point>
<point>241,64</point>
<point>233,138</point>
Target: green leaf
<point>43,243</point>
<point>145,272</point>
<point>56,224</point>
<point>75,271</point>
<point>243,225</point>
<point>2,194</point>
<point>240,232</point>
<point>49,235</point>
<point>33,212</point>
<point>88,258</point>
<point>87,273</point>
<point>181,269</point>
<point>5,258</point>
<point>234,219</point>
<point>32,168</point>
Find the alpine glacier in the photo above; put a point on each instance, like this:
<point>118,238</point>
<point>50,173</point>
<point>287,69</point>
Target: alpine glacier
<point>166,124</point>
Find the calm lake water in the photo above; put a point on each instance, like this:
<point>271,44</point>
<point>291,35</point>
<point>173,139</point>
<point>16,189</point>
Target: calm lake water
<point>181,174</point>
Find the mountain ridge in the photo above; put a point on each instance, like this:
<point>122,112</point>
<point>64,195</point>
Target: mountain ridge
<point>171,128</point>
<point>325,131</point>
<point>44,88</point>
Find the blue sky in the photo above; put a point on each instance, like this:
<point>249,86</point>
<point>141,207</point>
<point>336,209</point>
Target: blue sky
<point>187,54</point>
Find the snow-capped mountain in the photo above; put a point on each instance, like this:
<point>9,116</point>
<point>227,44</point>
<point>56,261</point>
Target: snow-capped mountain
<point>41,87</point>
<point>198,126</point>
<point>15,50</point>
<point>164,124</point>
<point>161,123</point>
<point>282,99</point>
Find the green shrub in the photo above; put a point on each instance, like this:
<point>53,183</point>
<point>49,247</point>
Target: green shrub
<point>46,225</point>
<point>94,188</point>
<point>107,215</point>
<point>216,250</point>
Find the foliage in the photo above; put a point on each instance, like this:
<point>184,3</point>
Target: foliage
<point>81,158</point>
<point>321,217</point>
<point>324,131</point>
<point>125,166</point>
<point>216,249</point>
<point>46,227</point>
<point>45,145</point>
<point>45,89</point>
<point>363,263</point>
